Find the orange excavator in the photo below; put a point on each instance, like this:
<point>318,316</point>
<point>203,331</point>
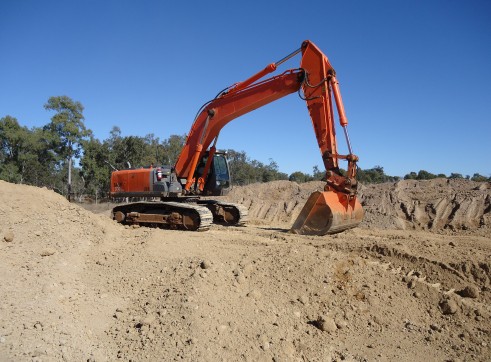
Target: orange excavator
<point>202,170</point>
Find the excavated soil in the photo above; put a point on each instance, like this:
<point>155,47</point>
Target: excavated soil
<point>412,283</point>
<point>437,205</point>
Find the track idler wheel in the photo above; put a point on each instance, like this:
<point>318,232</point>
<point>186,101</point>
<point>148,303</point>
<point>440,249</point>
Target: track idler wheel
<point>328,212</point>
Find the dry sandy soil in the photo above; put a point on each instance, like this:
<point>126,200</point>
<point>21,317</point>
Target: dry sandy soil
<point>412,283</point>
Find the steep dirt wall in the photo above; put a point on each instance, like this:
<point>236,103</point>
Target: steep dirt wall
<point>438,204</point>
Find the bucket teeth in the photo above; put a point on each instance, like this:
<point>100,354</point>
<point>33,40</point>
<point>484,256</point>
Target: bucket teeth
<point>328,212</point>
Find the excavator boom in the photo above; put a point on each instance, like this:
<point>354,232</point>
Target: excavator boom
<point>337,207</point>
<point>226,108</point>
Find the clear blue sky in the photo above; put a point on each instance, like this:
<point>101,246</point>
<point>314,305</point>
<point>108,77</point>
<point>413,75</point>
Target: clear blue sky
<point>415,75</point>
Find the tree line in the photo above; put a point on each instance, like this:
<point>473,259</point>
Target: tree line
<point>42,156</point>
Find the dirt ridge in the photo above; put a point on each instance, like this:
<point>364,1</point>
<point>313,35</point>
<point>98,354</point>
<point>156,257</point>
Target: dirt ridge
<point>436,205</point>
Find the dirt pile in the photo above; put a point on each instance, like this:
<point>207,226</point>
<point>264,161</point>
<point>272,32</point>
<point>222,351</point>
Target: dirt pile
<point>47,308</point>
<point>435,205</point>
<point>77,286</point>
<point>438,204</point>
<point>277,202</point>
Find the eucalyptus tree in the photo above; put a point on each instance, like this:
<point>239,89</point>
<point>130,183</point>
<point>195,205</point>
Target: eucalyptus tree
<point>68,128</point>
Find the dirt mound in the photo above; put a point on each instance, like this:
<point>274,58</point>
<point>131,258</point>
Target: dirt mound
<point>46,306</point>
<point>277,202</point>
<point>77,286</point>
<point>429,205</point>
<point>438,204</point>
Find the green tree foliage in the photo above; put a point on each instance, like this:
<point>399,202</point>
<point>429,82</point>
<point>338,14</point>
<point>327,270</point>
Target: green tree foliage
<point>131,150</point>
<point>375,175</point>
<point>25,154</point>
<point>300,177</point>
<point>271,172</point>
<point>423,175</point>
<point>66,126</point>
<point>171,148</point>
<point>480,178</point>
<point>118,152</point>
<point>95,167</point>
<point>143,151</point>
<point>455,175</point>
<point>411,176</point>
<point>38,156</point>
<point>246,171</point>
<point>318,174</point>
<point>38,164</point>
<point>67,131</point>
<point>13,143</point>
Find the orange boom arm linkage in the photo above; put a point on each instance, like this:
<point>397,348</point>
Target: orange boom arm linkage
<point>226,108</point>
<point>316,77</point>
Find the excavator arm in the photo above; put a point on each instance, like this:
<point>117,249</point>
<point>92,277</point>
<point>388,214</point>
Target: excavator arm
<point>224,109</point>
<point>336,208</point>
<point>320,87</point>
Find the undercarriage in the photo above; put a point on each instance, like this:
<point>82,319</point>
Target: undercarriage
<point>192,215</point>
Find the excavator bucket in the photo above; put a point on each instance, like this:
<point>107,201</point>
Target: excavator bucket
<point>328,212</point>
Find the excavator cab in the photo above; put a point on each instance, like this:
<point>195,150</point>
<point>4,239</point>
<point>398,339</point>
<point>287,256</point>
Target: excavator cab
<point>218,180</point>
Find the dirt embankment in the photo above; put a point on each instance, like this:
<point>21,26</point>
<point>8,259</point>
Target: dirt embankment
<point>434,205</point>
<point>411,284</point>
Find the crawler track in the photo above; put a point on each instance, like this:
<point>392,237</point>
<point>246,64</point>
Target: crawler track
<point>226,213</point>
<point>172,215</point>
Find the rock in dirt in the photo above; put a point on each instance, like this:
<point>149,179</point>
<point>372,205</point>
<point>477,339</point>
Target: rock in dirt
<point>304,299</point>
<point>255,294</point>
<point>341,324</point>
<point>448,306</point>
<point>148,320</point>
<point>435,327</point>
<point>48,252</point>
<point>471,291</point>
<point>326,324</point>
<point>8,237</point>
